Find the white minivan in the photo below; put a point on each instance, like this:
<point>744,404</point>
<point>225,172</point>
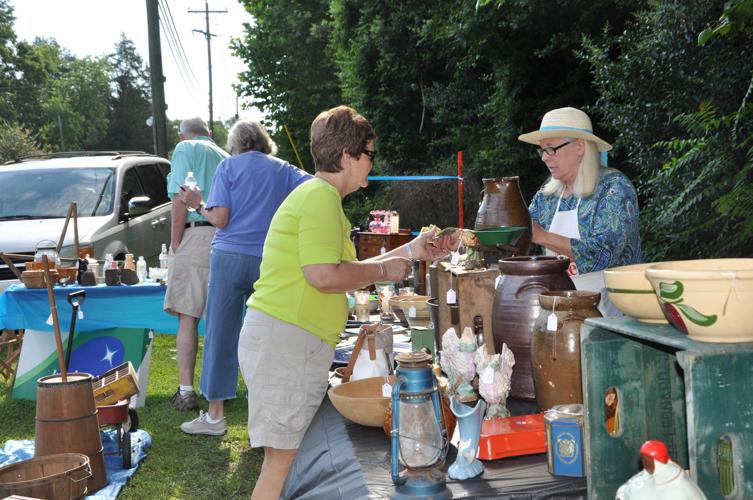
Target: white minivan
<point>121,198</point>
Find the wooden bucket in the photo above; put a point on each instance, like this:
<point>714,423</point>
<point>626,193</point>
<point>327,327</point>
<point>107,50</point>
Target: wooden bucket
<point>67,422</point>
<point>59,477</point>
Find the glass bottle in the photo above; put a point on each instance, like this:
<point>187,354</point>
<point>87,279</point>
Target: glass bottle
<point>163,257</point>
<point>141,269</point>
<point>190,182</point>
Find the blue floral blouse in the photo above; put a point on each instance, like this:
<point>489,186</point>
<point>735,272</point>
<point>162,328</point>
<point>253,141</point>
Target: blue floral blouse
<point>607,220</point>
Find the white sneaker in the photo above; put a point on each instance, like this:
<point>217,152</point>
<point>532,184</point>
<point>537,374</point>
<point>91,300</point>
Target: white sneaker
<point>200,425</point>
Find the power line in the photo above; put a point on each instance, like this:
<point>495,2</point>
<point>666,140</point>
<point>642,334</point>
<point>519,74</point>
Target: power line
<point>178,55</point>
<point>208,36</point>
<point>181,50</point>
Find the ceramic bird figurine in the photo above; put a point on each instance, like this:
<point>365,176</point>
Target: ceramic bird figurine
<point>494,375</point>
<point>457,361</point>
<point>660,479</point>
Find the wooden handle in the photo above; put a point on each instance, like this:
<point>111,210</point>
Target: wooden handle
<point>55,324</point>
<point>354,355</point>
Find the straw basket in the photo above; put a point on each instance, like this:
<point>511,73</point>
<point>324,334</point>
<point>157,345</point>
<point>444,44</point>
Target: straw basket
<point>61,476</point>
<point>34,278</point>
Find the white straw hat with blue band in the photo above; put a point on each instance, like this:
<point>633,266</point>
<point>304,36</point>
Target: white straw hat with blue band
<point>565,122</point>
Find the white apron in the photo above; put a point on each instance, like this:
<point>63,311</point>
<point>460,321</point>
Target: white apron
<point>565,223</point>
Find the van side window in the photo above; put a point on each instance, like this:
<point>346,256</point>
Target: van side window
<point>154,184</point>
<point>131,188</point>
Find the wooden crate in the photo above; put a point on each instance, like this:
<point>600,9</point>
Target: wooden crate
<point>691,395</point>
<point>116,384</point>
<point>474,290</point>
<point>370,244</point>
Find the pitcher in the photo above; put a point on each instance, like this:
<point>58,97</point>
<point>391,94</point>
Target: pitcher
<point>502,204</point>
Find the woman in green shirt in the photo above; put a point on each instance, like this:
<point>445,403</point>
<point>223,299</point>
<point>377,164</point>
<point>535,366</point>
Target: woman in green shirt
<point>299,306</point>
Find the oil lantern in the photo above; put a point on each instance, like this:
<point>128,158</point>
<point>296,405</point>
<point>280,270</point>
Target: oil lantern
<point>419,438</point>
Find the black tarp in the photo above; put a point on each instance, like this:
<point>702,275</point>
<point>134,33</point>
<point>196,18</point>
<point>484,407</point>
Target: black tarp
<point>342,460</point>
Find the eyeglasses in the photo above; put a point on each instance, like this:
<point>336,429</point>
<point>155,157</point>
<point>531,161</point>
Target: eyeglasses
<point>552,151</point>
<point>370,153</point>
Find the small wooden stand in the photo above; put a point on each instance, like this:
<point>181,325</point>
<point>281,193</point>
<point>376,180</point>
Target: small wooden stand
<point>474,290</point>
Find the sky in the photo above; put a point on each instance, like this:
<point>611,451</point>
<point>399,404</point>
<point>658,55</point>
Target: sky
<point>93,28</point>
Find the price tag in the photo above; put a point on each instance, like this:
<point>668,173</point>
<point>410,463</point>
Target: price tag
<point>455,258</point>
<point>497,280</point>
<point>49,319</point>
<point>487,376</point>
<point>382,250</point>
<point>451,296</point>
<point>80,314</point>
<point>411,312</point>
<point>551,322</point>
<point>386,390</point>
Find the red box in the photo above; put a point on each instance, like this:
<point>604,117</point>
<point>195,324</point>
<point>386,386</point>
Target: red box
<point>512,437</point>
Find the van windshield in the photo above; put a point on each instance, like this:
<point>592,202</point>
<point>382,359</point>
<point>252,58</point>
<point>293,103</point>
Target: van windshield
<point>47,193</point>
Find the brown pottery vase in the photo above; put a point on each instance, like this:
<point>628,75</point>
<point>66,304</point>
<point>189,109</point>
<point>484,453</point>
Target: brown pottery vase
<point>502,204</point>
<point>555,354</point>
<point>516,308</point>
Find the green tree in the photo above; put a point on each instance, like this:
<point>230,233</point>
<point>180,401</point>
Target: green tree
<point>7,42</point>
<point>15,142</point>
<point>289,75</point>
<point>675,106</point>
<point>130,104</point>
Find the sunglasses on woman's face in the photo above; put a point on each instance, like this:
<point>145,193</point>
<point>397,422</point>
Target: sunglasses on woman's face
<point>370,153</point>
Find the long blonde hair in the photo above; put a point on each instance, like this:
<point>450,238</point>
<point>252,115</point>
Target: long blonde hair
<point>589,171</point>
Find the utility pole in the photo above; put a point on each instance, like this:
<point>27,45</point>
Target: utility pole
<point>159,120</point>
<point>208,36</point>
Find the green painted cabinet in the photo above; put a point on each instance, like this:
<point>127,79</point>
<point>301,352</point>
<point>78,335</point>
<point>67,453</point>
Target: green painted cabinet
<point>697,397</point>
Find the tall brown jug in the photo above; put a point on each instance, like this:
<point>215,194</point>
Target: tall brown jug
<point>516,308</point>
<point>555,348</point>
<point>502,204</point>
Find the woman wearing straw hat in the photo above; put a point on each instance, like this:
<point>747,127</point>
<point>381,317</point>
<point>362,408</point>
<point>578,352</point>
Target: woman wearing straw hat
<point>585,211</point>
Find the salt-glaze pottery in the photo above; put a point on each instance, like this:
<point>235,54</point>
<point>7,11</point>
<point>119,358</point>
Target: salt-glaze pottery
<point>502,204</point>
<point>632,293</point>
<point>555,347</point>
<point>710,299</point>
<point>516,308</point>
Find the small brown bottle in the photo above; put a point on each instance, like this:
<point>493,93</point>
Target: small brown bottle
<point>478,330</point>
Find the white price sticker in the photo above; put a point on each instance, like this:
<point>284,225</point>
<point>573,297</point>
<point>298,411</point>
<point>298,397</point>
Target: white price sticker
<point>49,319</point>
<point>455,258</point>
<point>451,296</point>
<point>551,322</point>
<point>411,312</point>
<point>382,250</point>
<point>80,314</point>
<point>487,376</point>
<point>386,390</point>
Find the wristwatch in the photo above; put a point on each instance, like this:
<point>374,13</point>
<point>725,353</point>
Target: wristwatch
<point>200,206</point>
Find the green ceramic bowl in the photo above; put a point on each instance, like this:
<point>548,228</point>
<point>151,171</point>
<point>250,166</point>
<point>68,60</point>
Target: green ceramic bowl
<point>499,235</point>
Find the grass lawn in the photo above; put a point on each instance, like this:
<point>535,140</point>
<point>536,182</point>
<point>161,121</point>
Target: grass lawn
<point>177,465</point>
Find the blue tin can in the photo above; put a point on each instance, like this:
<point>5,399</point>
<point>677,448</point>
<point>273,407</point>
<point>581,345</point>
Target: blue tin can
<point>564,438</point>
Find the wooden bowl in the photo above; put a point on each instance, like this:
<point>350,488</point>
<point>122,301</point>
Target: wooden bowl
<point>422,318</point>
<point>361,401</point>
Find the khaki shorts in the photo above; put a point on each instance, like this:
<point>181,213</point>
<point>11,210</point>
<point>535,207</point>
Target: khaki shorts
<point>188,273</point>
<point>286,371</point>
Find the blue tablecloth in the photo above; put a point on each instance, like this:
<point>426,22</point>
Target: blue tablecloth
<point>136,306</point>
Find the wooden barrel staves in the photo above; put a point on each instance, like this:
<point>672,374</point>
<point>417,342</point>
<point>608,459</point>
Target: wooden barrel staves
<point>67,422</point>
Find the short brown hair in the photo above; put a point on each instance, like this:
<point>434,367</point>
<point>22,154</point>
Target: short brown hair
<point>335,130</point>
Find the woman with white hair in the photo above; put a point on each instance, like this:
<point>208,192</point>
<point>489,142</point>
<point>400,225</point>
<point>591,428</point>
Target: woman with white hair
<point>246,191</point>
<point>585,211</point>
